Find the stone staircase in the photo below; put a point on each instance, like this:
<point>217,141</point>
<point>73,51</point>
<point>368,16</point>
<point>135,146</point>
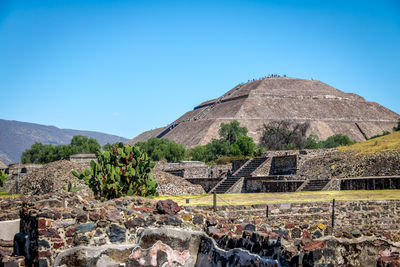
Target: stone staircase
<point>168,129</point>
<point>226,184</point>
<point>315,185</point>
<point>249,167</point>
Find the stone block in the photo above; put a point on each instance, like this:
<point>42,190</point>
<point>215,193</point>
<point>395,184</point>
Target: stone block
<point>8,229</point>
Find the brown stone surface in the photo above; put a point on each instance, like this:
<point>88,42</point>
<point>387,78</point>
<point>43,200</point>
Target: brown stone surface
<point>172,185</point>
<point>52,177</point>
<point>366,231</point>
<point>330,111</point>
<point>345,164</point>
<point>168,207</point>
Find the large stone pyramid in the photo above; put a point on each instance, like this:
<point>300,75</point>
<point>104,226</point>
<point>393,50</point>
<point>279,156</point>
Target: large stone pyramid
<point>329,111</point>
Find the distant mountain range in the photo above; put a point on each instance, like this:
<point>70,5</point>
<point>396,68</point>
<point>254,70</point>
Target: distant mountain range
<point>16,137</point>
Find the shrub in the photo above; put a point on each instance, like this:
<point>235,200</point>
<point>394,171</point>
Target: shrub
<point>3,177</point>
<point>124,172</point>
<point>163,149</point>
<point>331,142</point>
<point>313,142</point>
<point>337,140</point>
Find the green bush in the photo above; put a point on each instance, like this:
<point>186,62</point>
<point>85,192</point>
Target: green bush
<point>313,142</point>
<point>337,140</point>
<point>125,171</point>
<point>331,142</point>
<point>163,149</point>
<point>244,145</point>
<point>3,177</point>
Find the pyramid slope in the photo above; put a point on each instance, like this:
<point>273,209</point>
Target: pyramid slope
<point>329,111</point>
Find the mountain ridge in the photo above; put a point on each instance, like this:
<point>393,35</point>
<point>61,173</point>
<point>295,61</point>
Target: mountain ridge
<point>17,136</point>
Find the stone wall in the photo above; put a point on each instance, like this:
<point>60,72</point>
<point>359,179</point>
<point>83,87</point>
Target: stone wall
<point>352,219</point>
<point>283,165</point>
<point>72,231</point>
<point>266,185</point>
<point>84,159</point>
<point>24,168</point>
<point>236,164</point>
<point>206,183</point>
<point>370,183</point>
<point>194,169</point>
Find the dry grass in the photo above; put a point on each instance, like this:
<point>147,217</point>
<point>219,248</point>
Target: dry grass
<point>7,195</point>
<point>390,142</point>
<point>263,198</point>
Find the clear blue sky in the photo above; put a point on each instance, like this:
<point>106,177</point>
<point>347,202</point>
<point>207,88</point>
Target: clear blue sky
<point>123,67</point>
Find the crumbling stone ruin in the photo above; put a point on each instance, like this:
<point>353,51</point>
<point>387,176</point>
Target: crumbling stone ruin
<point>298,170</point>
<point>67,230</point>
<point>329,111</point>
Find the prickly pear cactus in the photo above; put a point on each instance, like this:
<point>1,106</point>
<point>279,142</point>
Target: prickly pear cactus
<point>124,172</point>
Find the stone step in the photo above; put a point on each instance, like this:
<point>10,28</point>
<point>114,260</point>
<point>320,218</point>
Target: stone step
<point>315,185</point>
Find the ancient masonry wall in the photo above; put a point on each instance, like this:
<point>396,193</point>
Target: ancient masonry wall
<point>66,222</point>
<point>194,169</point>
<point>206,183</point>
<point>351,218</point>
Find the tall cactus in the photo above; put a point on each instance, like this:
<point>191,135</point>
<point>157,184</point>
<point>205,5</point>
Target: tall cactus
<point>124,172</point>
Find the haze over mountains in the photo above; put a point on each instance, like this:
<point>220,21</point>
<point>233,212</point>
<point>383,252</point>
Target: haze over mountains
<point>329,111</point>
<point>16,137</point>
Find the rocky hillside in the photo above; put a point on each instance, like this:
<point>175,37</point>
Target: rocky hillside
<point>376,157</point>
<point>346,164</point>
<point>16,137</point>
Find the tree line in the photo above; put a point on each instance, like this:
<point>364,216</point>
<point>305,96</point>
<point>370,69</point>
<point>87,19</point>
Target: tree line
<point>44,153</point>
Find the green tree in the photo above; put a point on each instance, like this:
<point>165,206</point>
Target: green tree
<point>232,131</point>
<point>244,146</point>
<point>125,171</point>
<point>198,153</point>
<point>83,144</point>
<point>163,149</point>
<point>41,154</point>
<point>337,140</point>
<point>313,142</point>
<point>232,144</point>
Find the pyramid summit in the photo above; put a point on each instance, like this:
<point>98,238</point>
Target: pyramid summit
<point>255,103</point>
